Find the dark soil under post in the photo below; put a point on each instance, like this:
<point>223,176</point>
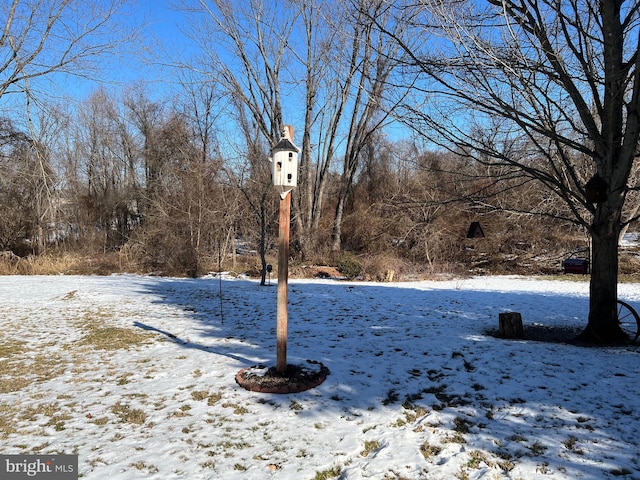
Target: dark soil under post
<point>296,378</point>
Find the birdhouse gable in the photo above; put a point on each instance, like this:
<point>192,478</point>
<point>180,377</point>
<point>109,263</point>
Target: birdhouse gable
<point>284,145</point>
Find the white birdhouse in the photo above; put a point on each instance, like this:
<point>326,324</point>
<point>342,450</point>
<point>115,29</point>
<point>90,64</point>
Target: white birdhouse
<point>284,165</point>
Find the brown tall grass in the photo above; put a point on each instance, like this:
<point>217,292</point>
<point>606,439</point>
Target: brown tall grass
<point>60,263</point>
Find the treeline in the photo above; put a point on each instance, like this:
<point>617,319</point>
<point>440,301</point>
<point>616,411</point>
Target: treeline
<point>172,176</point>
<point>157,187</point>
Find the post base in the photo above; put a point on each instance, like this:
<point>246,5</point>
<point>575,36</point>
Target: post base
<point>259,378</point>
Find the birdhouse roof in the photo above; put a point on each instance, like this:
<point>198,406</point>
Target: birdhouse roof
<point>285,144</point>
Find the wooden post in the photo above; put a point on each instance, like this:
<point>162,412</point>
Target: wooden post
<point>511,325</point>
<point>283,278</point>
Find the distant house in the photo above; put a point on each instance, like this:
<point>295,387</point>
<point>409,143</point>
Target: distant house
<point>630,240</point>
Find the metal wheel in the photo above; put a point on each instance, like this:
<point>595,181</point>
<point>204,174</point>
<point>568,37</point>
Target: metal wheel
<point>629,320</point>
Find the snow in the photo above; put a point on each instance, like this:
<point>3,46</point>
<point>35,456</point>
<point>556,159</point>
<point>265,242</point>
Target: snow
<point>417,388</point>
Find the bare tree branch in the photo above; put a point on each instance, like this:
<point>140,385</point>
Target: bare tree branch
<point>58,36</point>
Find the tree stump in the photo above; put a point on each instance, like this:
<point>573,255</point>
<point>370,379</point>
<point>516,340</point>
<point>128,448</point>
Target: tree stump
<point>511,325</point>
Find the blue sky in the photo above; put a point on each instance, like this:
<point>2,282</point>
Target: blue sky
<point>137,63</point>
<point>161,38</point>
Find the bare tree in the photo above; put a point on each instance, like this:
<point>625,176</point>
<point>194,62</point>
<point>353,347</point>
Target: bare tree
<point>315,53</point>
<point>147,115</point>
<point>172,234</point>
<point>145,180</point>
<point>243,48</point>
<point>202,108</point>
<point>251,178</point>
<point>103,160</point>
<point>40,38</point>
<point>530,87</point>
<point>315,63</point>
<point>255,35</point>
<point>17,188</point>
<point>370,59</point>
<point>215,204</point>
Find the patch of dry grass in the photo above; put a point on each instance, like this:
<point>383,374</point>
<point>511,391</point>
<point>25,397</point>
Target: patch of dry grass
<point>41,265</point>
<point>428,451</point>
<point>17,371</point>
<point>81,341</point>
<point>65,263</point>
<point>114,338</point>
<point>49,414</point>
<point>211,398</point>
<point>7,420</point>
<point>99,336</point>
<point>369,447</point>
<point>9,347</point>
<point>127,414</point>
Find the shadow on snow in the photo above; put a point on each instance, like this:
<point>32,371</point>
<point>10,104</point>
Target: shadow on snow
<point>406,345</point>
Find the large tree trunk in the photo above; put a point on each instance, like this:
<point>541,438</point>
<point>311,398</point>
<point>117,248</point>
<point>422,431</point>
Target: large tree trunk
<point>603,327</point>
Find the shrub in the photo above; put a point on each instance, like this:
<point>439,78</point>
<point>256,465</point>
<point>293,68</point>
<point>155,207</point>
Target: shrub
<point>349,266</point>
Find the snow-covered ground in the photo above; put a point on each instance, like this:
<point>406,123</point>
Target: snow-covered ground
<point>136,376</point>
